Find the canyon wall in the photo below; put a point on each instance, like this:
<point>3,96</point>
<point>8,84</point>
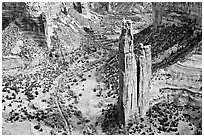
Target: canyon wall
<point>53,26</point>
<point>187,74</point>
<point>41,28</point>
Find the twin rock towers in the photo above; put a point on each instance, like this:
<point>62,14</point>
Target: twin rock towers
<point>134,75</point>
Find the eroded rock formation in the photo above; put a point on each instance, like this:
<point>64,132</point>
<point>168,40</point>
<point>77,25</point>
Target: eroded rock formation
<point>134,75</point>
<point>143,77</point>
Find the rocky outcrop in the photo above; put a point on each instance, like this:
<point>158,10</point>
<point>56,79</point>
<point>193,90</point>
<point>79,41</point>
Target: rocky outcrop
<point>64,24</point>
<point>19,50</point>
<point>143,77</point>
<point>54,26</point>
<point>187,74</point>
<point>134,76</point>
<point>127,8</point>
<point>128,71</point>
<point>11,11</point>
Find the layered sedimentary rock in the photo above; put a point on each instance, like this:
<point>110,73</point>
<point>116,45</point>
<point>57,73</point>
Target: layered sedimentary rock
<point>19,50</point>
<point>64,15</point>
<point>134,75</point>
<point>123,8</point>
<point>11,11</point>
<point>187,74</point>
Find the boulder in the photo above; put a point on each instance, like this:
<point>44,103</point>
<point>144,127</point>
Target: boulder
<point>16,49</point>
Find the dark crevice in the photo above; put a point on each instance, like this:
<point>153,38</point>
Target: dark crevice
<point>138,81</point>
<point>131,100</point>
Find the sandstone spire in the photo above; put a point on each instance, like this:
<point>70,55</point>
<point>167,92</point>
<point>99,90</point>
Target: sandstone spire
<point>134,75</point>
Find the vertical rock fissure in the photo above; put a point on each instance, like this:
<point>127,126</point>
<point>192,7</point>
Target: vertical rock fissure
<point>138,84</point>
<point>131,101</point>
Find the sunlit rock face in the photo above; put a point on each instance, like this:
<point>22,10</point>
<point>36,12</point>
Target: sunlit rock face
<point>144,78</point>
<point>55,26</point>
<point>187,74</point>
<point>128,71</point>
<point>122,8</point>
<point>54,20</point>
<point>135,74</point>
<point>64,25</point>
<point>17,49</point>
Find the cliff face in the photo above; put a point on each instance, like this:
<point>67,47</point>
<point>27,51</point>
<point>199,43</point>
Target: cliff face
<point>44,27</point>
<point>122,8</point>
<point>19,50</point>
<point>64,23</point>
<point>183,10</point>
<point>187,74</point>
<point>11,11</point>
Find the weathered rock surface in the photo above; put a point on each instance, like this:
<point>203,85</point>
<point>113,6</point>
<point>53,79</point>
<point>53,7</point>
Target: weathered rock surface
<point>135,75</point>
